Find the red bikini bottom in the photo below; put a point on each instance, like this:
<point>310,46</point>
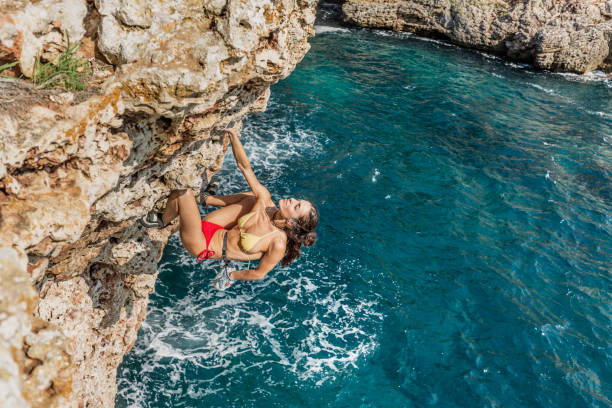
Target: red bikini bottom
<point>209,229</point>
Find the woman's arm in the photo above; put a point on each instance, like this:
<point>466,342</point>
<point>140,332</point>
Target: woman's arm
<point>272,257</point>
<point>245,166</point>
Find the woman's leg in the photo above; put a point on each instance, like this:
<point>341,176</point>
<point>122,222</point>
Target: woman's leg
<point>183,204</point>
<point>223,201</point>
<point>229,214</point>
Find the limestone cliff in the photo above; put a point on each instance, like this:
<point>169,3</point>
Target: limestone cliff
<point>78,168</point>
<point>566,35</point>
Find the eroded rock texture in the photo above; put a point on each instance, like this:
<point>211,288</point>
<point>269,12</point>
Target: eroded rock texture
<point>77,169</point>
<point>565,35</point>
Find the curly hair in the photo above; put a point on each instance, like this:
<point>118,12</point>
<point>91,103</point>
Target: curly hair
<point>302,232</point>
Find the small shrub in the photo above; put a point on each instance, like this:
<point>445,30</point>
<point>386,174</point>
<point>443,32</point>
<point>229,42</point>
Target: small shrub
<point>67,71</point>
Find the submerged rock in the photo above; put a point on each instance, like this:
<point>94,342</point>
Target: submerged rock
<point>565,35</point>
<point>78,168</point>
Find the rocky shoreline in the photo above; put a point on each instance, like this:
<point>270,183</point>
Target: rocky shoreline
<point>77,168</point>
<point>570,35</point>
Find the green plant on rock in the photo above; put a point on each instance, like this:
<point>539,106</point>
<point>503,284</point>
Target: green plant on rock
<point>501,8</point>
<point>6,66</point>
<point>67,71</point>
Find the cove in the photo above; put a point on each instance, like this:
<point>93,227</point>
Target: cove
<point>464,245</point>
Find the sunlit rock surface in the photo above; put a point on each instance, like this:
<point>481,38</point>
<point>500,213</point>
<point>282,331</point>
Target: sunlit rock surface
<point>78,168</point>
<point>565,35</point>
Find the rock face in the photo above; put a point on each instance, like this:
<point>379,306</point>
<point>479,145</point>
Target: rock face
<point>566,35</point>
<point>35,366</point>
<point>77,169</point>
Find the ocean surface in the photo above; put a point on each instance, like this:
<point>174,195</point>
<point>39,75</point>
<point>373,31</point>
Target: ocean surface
<point>465,243</point>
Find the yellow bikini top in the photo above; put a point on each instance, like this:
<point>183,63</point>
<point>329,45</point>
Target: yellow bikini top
<point>248,241</point>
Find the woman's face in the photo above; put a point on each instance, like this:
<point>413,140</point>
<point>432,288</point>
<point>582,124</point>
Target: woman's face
<point>292,208</point>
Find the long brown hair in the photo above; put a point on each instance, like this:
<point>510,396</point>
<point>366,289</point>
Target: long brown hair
<point>301,232</point>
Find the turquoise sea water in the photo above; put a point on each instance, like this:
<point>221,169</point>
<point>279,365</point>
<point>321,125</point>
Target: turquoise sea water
<point>464,251</point>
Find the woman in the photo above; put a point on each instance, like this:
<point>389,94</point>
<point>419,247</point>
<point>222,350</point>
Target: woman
<point>248,227</point>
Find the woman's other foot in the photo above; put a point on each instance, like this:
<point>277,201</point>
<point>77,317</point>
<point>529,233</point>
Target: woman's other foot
<point>208,188</point>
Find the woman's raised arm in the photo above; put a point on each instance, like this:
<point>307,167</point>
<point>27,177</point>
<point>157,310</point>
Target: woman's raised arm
<point>245,166</point>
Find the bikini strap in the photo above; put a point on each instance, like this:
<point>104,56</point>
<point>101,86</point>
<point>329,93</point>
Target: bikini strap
<point>224,253</point>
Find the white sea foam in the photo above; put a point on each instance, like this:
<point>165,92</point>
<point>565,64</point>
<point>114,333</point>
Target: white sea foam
<point>600,114</point>
<point>406,34</point>
<point>489,56</point>
<point>324,29</point>
<point>545,90</point>
<point>552,92</point>
<point>210,331</point>
<point>375,175</point>
<point>553,332</point>
<point>324,349</point>
<point>517,65</point>
<point>271,147</point>
<point>390,33</point>
<point>384,33</point>
<point>433,40</point>
<point>303,287</point>
<point>595,76</point>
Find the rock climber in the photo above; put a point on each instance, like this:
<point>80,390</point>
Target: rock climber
<point>249,226</point>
